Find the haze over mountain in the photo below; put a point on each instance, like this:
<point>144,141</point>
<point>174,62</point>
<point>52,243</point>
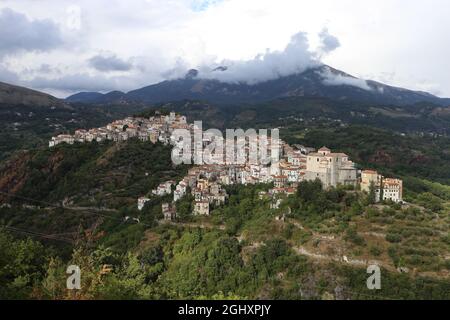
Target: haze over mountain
<point>319,81</point>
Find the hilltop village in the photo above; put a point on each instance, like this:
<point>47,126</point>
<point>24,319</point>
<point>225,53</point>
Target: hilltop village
<point>206,182</point>
<point>154,129</point>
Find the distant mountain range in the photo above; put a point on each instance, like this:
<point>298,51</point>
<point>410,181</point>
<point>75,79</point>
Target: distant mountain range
<point>311,83</point>
<point>319,82</point>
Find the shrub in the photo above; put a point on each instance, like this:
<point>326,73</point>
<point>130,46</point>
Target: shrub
<point>372,212</point>
<point>376,251</point>
<point>393,238</point>
<point>354,237</point>
<point>393,254</point>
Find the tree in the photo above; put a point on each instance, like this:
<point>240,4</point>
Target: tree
<point>430,201</point>
<point>371,197</point>
<point>308,191</point>
<point>54,283</point>
<point>22,264</point>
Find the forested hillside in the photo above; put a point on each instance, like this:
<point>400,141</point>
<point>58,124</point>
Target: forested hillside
<point>67,189</point>
<point>76,204</point>
<point>244,251</point>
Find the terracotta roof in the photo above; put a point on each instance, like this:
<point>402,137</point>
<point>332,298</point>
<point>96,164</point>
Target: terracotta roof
<point>392,182</point>
<point>339,154</point>
<point>370,171</point>
<point>331,155</point>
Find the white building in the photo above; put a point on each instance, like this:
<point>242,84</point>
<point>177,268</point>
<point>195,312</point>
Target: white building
<point>393,190</point>
<point>143,136</point>
<point>62,138</point>
<point>141,202</point>
<point>292,172</point>
<point>163,189</point>
<point>180,191</point>
<point>297,158</point>
<point>385,188</point>
<point>201,208</point>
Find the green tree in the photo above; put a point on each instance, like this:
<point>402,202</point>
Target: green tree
<point>371,197</point>
<point>22,264</point>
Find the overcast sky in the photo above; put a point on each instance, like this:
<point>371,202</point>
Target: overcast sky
<point>62,47</point>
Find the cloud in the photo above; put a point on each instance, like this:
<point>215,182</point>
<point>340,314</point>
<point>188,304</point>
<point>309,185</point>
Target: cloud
<point>295,58</point>
<point>201,5</point>
<point>67,84</point>
<point>336,79</point>
<point>158,32</point>
<point>328,42</point>
<point>76,82</point>
<point>45,68</point>
<point>7,75</point>
<point>19,34</point>
<point>109,62</point>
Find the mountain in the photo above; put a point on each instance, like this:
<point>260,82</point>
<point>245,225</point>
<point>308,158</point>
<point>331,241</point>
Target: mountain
<point>85,96</point>
<point>29,118</point>
<point>95,97</point>
<point>15,95</point>
<point>322,81</point>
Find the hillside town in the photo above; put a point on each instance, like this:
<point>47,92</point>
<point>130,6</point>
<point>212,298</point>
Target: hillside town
<point>206,183</point>
<point>157,128</point>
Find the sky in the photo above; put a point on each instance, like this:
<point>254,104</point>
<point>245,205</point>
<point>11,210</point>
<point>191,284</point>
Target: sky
<point>63,47</point>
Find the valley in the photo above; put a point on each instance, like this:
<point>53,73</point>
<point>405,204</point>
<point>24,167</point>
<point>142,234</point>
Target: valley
<point>77,203</point>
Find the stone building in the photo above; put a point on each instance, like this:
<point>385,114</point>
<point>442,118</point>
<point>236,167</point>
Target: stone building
<point>331,168</point>
<point>385,188</point>
<point>169,211</point>
<point>201,208</point>
<point>371,177</point>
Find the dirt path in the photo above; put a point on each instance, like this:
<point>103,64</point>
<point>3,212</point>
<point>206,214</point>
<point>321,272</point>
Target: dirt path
<point>90,209</point>
<point>201,225</point>
<point>344,259</point>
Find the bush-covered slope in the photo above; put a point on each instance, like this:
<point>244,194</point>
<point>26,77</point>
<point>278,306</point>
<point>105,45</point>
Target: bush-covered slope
<point>256,255</point>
